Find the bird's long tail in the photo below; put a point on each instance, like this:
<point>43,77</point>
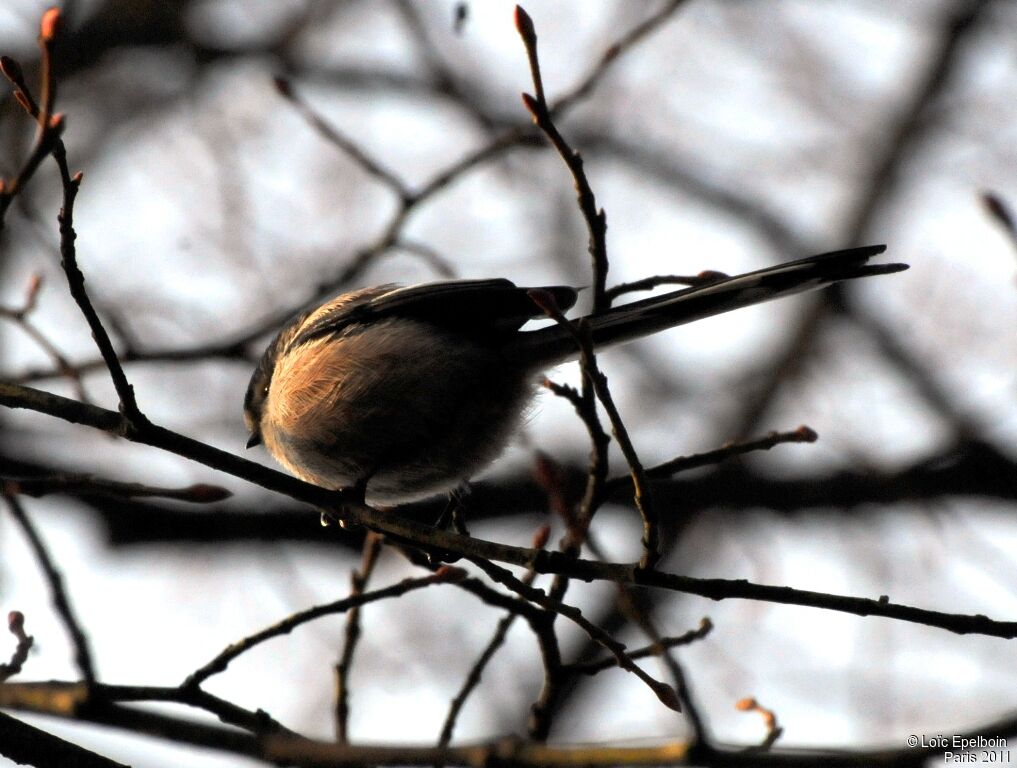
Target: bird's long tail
<point>553,344</point>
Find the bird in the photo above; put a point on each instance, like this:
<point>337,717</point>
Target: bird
<point>408,392</point>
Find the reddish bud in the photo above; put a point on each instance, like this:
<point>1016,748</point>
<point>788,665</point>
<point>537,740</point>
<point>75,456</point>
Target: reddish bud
<point>524,24</point>
<point>806,434</point>
<point>56,122</point>
<point>462,10</point>
<point>746,705</point>
<point>283,86</point>
<point>999,210</point>
<point>3,185</point>
<point>16,622</point>
<point>545,469</point>
<point>450,573</point>
<point>34,284</point>
<point>712,274</point>
<point>541,537</point>
<point>50,26</point>
<point>532,105</point>
<point>203,493</point>
<point>668,697</point>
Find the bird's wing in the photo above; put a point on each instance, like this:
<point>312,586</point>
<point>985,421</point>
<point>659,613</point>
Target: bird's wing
<point>474,307</point>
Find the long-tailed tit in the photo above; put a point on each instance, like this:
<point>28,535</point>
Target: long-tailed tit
<point>409,391</point>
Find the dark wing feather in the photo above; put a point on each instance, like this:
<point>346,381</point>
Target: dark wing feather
<point>474,307</point>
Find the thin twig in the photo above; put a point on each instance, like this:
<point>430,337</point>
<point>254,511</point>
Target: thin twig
<point>50,123</point>
<point>642,494</point>
<point>664,692</point>
<point>198,493</point>
<point>497,640</point>
<point>135,419</point>
<point>596,219</point>
<point>596,222</point>
<point>640,616</point>
<point>77,699</point>
<point>639,613</point>
<point>428,255</point>
<point>444,79</point>
<point>541,624</point>
<point>773,729</point>
<point>358,582</point>
<point>577,521</point>
<point>257,721</point>
<point>595,493</point>
<point>47,135</point>
<point>16,625</point>
<point>626,598</point>
<point>654,649</point>
<point>655,281</point>
<point>338,139</point>
<point>622,45</point>
<point>802,434</point>
<point>62,604</point>
<point>444,575</point>
<point>20,316</point>
<point>585,406</point>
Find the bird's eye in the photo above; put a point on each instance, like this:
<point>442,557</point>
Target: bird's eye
<point>264,391</point>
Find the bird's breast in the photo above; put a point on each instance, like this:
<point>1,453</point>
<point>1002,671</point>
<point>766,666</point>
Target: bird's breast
<point>415,408</point>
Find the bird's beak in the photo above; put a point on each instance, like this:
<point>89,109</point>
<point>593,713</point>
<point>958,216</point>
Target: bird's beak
<point>254,439</point>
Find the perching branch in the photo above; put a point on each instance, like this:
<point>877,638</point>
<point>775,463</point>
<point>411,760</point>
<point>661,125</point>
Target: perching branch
<point>341,505</point>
